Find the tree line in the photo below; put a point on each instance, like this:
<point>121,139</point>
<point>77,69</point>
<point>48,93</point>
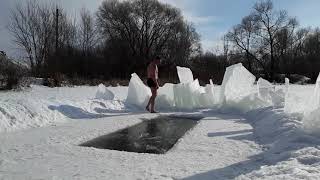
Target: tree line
<point>121,37</point>
<point>117,40</point>
<point>270,43</point>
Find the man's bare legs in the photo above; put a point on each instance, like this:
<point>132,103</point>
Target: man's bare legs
<point>152,100</point>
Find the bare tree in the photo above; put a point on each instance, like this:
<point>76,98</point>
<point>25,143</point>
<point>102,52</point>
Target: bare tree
<point>146,26</point>
<point>244,37</point>
<point>265,37</point>
<point>87,32</point>
<point>31,27</point>
<point>270,22</point>
<point>312,53</point>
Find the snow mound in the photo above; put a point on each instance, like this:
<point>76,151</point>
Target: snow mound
<point>104,93</point>
<point>52,106</point>
<point>26,112</point>
<point>290,153</point>
<point>185,75</point>
<point>138,93</point>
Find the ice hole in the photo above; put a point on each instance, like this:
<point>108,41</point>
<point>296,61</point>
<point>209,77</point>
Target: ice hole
<point>155,136</point>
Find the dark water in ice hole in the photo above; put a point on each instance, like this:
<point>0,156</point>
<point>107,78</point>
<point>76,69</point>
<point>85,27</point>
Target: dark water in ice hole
<point>155,136</point>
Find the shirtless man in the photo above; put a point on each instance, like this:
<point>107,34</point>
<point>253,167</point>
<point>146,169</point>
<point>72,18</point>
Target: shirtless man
<point>153,83</point>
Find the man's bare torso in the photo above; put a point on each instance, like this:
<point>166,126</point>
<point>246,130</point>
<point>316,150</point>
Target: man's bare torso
<point>153,71</point>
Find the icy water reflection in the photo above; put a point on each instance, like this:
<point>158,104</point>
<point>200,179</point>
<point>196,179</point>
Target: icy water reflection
<point>155,136</point>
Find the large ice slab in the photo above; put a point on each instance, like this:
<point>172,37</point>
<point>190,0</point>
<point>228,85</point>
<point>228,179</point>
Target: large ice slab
<point>311,120</point>
<point>208,99</point>
<point>185,75</point>
<point>267,93</point>
<point>264,84</point>
<point>186,95</point>
<point>237,83</point>
<point>314,102</point>
<point>138,93</point>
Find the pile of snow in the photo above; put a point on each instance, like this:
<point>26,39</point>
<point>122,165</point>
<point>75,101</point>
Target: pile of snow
<point>104,93</point>
<point>289,152</point>
<point>311,119</point>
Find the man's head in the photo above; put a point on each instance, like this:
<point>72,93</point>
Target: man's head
<point>157,60</point>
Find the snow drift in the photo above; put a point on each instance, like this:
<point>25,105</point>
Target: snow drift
<point>42,106</point>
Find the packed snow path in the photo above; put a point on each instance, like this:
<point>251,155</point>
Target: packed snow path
<point>219,147</point>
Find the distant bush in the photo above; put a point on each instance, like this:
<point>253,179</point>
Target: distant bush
<point>10,74</point>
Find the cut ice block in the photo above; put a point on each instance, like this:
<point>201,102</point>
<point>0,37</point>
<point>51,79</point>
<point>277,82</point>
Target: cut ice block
<point>104,93</point>
<point>314,102</point>
<point>311,120</point>
<point>186,96</point>
<point>165,98</point>
<point>266,91</point>
<point>138,93</point>
<point>237,83</point>
<point>185,75</point>
<point>264,84</point>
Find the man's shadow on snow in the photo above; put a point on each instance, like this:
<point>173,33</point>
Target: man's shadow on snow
<point>78,113</point>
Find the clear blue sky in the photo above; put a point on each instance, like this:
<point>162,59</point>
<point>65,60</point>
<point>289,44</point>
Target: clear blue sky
<point>212,18</point>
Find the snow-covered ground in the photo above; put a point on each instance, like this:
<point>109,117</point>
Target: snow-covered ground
<point>260,134</point>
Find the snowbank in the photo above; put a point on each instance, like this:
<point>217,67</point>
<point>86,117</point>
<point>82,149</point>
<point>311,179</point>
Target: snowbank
<point>42,106</point>
<point>289,152</point>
